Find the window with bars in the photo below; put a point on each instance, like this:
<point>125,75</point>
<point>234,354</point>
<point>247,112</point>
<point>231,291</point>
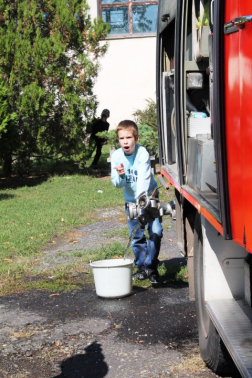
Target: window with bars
<point>130,17</point>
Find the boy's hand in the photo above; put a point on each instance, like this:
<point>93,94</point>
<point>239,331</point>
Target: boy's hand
<point>120,169</point>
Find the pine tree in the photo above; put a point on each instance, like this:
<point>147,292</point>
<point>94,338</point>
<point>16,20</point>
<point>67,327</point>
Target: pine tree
<point>49,54</point>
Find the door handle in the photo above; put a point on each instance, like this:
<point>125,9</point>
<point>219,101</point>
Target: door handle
<point>236,24</point>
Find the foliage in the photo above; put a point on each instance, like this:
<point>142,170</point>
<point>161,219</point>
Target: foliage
<point>148,116</point>
<point>205,21</point>
<point>111,138</point>
<point>173,272</point>
<point>49,53</point>
<point>147,125</point>
<point>148,138</point>
<point>5,117</point>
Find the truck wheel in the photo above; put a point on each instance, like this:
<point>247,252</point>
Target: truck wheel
<point>212,349</point>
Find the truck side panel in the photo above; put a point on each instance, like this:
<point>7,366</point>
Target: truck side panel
<point>238,83</point>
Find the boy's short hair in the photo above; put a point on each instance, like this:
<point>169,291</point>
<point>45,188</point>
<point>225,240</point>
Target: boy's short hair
<point>127,125</point>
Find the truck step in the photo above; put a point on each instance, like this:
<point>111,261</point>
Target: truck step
<point>233,321</point>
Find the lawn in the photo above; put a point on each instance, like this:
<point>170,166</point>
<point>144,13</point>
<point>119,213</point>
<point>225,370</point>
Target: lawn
<point>53,200</point>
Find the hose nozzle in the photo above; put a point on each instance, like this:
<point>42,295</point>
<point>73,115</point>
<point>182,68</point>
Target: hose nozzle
<point>147,208</point>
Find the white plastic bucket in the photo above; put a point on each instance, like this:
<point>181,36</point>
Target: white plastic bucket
<point>113,278</point>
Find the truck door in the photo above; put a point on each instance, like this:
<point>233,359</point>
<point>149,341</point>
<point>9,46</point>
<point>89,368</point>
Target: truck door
<point>238,84</point>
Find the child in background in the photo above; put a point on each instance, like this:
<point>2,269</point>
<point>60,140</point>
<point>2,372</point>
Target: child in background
<point>131,170</point>
<point>99,126</point>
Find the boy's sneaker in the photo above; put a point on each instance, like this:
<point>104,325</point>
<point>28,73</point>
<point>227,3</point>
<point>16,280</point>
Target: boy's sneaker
<point>154,277</point>
<point>141,275</point>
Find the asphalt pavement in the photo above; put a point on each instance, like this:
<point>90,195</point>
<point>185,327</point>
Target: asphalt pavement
<point>152,333</point>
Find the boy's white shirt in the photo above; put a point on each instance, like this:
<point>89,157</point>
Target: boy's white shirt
<point>138,177</point>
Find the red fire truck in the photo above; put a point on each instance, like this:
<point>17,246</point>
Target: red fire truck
<point>204,108</point>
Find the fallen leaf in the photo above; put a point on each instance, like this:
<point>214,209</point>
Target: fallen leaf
<point>36,260</point>
<point>10,222</point>
<point>170,240</point>
<point>62,219</point>
<point>31,237</point>
<point>118,325</point>
<point>8,259</point>
<point>75,241</point>
<point>28,224</point>
<point>57,343</point>
<point>6,243</point>
<point>53,295</point>
<point>41,234</point>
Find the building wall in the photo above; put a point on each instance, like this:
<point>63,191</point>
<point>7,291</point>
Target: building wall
<point>127,75</point>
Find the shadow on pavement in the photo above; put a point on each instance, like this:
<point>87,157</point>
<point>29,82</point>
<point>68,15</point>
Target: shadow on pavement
<point>88,365</point>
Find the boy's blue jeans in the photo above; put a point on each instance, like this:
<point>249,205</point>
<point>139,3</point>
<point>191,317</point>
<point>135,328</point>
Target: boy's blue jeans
<point>146,254</point>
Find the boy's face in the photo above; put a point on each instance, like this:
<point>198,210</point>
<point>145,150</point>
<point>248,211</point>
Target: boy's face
<point>127,141</point>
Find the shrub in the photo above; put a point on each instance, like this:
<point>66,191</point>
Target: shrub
<point>148,116</point>
<point>148,138</point>
<point>49,59</point>
<point>146,121</point>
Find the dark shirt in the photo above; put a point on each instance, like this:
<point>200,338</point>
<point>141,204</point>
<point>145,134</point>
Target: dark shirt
<point>98,127</point>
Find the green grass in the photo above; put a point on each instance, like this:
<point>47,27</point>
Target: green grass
<point>62,280</point>
<point>113,250</point>
<point>36,208</point>
<point>31,216</point>
<point>123,233</point>
<point>168,273</point>
<point>68,276</point>
<point>55,198</point>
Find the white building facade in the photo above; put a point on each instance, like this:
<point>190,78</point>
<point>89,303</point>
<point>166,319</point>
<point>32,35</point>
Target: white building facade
<point>127,74</point>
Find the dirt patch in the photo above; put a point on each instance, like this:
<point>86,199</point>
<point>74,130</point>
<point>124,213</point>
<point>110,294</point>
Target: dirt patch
<point>97,235</point>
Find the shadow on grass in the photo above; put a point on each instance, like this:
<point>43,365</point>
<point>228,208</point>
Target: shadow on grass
<point>42,171</point>
<point>5,196</point>
<point>173,273</point>
<point>17,181</point>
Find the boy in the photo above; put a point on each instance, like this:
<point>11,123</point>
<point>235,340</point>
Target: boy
<point>131,170</point>
<point>100,125</point>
